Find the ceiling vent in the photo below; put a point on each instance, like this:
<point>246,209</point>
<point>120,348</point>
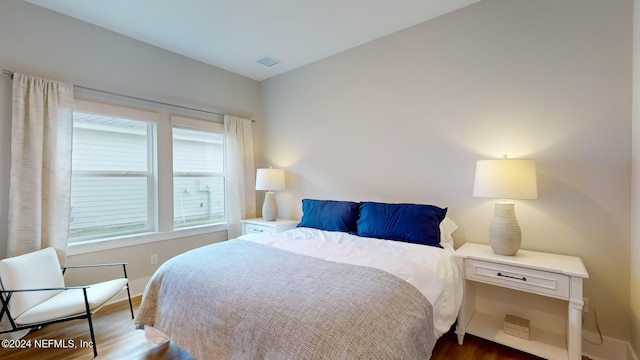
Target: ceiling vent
<point>268,61</point>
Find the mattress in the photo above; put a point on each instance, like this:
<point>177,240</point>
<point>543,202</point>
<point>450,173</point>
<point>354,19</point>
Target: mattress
<point>431,270</point>
<point>304,293</point>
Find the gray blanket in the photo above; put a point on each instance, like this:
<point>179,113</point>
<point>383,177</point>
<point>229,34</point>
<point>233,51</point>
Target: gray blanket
<point>242,300</point>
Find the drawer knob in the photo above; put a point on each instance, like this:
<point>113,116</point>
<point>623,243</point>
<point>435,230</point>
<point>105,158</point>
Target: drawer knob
<point>512,277</point>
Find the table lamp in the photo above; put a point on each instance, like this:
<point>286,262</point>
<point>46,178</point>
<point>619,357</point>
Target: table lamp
<point>505,179</point>
<point>270,179</point>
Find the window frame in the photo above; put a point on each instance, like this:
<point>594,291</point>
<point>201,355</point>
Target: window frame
<point>161,204</point>
<point>151,120</point>
<point>199,125</point>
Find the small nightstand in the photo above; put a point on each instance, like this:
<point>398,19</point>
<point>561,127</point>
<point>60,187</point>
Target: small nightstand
<point>259,225</point>
<point>544,288</point>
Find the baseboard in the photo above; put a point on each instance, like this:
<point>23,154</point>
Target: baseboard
<point>610,349</point>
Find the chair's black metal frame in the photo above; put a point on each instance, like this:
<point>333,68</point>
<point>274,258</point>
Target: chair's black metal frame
<point>5,297</point>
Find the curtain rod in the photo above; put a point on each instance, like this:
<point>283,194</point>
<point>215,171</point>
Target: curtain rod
<point>10,73</point>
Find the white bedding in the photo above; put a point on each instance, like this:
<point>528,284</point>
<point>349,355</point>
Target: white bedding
<point>431,270</point>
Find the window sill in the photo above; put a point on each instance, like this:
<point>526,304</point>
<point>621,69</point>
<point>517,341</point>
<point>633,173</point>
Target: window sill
<point>138,239</point>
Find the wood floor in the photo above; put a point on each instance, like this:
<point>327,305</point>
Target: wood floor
<point>117,338</point>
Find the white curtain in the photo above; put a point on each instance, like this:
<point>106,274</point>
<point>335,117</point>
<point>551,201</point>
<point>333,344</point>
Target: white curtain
<point>240,177</point>
<point>40,179</point>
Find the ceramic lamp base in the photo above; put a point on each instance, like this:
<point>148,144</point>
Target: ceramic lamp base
<point>269,207</point>
<point>504,231</point>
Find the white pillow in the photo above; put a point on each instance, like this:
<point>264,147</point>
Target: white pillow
<point>447,228</point>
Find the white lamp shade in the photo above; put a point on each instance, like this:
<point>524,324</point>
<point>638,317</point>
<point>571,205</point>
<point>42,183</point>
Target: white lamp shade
<point>506,179</point>
<point>270,179</point>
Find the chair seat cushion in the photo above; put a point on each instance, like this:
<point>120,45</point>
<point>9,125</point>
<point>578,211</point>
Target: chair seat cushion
<point>71,302</point>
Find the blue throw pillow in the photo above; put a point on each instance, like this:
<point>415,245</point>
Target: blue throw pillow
<point>329,215</point>
<point>414,223</point>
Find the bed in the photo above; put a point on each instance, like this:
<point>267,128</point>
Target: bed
<point>354,280</point>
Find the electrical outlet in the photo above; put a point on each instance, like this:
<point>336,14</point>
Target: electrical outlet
<point>585,307</point>
<point>154,259</point>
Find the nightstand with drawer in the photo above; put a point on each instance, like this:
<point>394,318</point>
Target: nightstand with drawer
<point>541,287</point>
<point>259,225</point>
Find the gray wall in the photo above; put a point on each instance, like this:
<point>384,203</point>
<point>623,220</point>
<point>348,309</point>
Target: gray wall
<point>43,43</point>
<point>405,117</point>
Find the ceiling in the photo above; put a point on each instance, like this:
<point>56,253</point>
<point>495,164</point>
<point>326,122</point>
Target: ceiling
<point>234,34</point>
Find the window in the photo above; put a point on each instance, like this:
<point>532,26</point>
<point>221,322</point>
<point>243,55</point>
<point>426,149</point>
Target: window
<point>198,177</point>
<point>112,182</point>
<point>126,189</point>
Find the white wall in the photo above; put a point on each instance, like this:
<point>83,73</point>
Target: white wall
<point>405,117</point>
<point>43,43</point>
